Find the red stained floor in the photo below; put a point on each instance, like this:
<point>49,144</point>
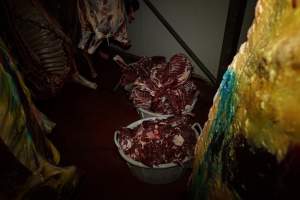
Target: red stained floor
<point>86,120</point>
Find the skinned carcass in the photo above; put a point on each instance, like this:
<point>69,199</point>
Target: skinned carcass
<point>29,161</point>
<point>45,51</point>
<point>249,147</point>
<point>101,20</point>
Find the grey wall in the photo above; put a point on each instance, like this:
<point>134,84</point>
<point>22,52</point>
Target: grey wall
<point>201,24</point>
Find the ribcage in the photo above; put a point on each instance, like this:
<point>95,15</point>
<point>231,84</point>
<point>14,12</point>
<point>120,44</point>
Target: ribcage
<point>47,47</point>
<point>48,66</point>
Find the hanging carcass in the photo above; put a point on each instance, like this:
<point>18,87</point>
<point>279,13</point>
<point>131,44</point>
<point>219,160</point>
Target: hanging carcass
<point>45,51</point>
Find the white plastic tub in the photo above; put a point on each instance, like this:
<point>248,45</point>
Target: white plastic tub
<point>162,174</point>
<point>148,114</point>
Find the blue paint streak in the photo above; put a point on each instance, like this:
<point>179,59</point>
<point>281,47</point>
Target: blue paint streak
<point>226,107</point>
<point>211,166</point>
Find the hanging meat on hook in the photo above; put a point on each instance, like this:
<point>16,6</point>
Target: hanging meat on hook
<point>43,48</point>
<point>102,20</point>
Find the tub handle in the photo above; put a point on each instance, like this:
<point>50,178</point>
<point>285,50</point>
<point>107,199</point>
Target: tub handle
<point>116,139</point>
<point>197,128</point>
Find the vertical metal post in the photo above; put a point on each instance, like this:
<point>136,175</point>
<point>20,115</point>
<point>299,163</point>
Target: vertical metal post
<point>234,22</point>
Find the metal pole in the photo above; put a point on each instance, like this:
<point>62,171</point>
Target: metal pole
<point>182,43</point>
<point>233,28</point>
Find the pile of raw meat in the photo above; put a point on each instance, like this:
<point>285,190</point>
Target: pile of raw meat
<point>160,86</point>
<point>158,142</point>
<point>141,68</point>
